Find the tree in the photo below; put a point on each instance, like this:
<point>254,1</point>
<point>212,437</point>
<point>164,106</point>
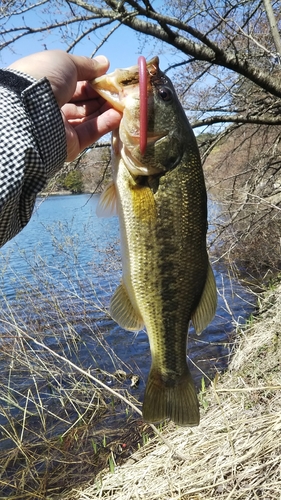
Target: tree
<point>232,36</point>
<point>73,181</point>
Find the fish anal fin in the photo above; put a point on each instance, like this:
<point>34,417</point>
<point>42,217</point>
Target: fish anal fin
<point>177,401</point>
<point>107,205</point>
<point>122,311</point>
<point>206,309</point>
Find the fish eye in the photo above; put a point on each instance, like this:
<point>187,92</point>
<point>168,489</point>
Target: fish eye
<point>165,93</point>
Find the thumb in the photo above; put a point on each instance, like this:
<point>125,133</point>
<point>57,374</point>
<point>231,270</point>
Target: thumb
<point>87,68</point>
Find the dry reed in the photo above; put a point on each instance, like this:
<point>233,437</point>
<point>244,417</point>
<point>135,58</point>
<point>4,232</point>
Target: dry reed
<point>56,431</point>
<point>235,452</point>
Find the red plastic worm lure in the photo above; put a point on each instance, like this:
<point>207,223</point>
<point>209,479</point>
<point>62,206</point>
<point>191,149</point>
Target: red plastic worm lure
<point>143,103</point>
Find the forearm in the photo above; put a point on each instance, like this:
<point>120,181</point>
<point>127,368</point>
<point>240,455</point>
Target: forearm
<point>32,147</point>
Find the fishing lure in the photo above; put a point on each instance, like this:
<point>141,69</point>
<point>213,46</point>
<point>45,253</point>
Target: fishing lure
<point>143,103</point>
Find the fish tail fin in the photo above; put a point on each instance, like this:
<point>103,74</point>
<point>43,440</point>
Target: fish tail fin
<point>177,401</point>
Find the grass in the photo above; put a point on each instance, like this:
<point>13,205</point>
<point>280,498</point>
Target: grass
<point>61,414</point>
<point>235,452</point>
<point>47,426</point>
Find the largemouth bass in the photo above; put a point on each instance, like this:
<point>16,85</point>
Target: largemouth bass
<point>160,197</point>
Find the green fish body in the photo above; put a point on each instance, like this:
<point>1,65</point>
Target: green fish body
<point>161,202</point>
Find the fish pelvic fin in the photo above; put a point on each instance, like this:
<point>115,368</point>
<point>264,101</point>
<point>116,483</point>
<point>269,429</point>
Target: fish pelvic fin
<point>122,311</point>
<point>177,400</point>
<point>206,309</point>
<point>107,205</point>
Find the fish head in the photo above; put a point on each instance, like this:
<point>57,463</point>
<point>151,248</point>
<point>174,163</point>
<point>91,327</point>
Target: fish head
<point>166,120</point>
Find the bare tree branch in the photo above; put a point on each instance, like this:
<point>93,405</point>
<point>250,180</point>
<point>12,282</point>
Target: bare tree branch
<point>273,26</point>
<point>264,120</point>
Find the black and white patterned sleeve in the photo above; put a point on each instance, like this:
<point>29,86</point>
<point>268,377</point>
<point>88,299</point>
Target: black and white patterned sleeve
<point>32,147</point>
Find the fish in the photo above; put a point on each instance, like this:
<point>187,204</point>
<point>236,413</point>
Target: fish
<point>158,192</point>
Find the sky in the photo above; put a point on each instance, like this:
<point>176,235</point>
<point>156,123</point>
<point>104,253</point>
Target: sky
<point>122,48</point>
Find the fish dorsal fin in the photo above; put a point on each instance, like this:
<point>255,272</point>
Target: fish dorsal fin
<point>207,306</point>
<point>107,205</point>
<point>122,311</point>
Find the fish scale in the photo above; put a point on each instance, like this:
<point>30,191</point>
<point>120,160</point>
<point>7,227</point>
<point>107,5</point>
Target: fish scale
<point>161,202</point>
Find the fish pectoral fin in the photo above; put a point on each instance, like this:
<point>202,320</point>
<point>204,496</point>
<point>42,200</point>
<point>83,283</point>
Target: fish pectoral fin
<point>177,401</point>
<point>107,205</point>
<point>122,311</point>
<point>206,309</point>
<point>143,203</point>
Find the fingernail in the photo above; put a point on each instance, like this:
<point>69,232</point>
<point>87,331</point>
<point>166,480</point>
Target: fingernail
<point>102,60</point>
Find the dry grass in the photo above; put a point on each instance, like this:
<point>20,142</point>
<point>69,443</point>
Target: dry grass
<point>56,411</point>
<point>235,452</point>
<point>60,426</point>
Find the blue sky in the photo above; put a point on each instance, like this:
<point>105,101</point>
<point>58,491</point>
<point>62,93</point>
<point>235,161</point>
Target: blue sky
<point>122,48</point>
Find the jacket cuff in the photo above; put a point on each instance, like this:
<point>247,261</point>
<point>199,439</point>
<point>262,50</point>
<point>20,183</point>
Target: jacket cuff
<point>15,81</point>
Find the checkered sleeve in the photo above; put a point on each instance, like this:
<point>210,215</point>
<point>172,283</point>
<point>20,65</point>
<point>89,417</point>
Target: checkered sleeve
<point>32,147</point>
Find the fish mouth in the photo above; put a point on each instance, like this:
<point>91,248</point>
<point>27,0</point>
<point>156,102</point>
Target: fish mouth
<point>133,140</point>
<point>116,86</point>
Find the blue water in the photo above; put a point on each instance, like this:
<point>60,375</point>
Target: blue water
<point>61,228</point>
<point>67,256</point>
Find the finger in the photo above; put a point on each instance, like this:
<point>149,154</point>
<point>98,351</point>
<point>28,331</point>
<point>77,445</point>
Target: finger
<point>90,131</point>
<point>84,91</point>
<point>84,110</point>
<point>87,68</point>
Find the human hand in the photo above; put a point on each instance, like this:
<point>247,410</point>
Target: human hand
<point>86,115</point>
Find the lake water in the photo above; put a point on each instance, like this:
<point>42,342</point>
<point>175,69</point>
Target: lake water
<point>68,259</point>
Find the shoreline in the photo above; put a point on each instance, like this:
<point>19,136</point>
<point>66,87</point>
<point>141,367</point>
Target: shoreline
<point>47,194</point>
